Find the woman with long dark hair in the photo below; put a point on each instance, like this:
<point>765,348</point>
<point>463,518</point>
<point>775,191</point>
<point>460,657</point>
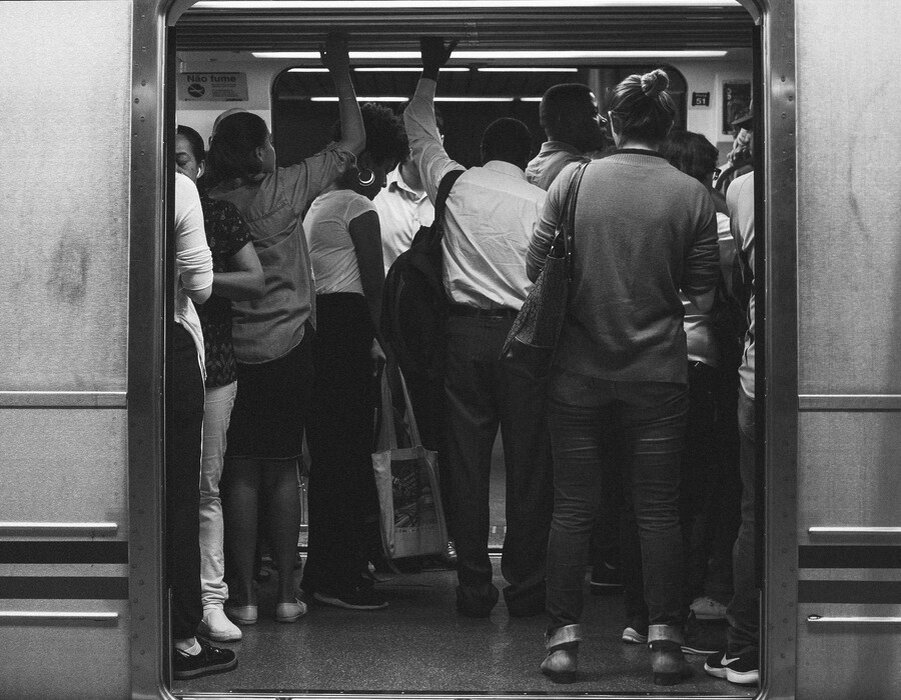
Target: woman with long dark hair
<point>272,336</point>
<point>643,230</point>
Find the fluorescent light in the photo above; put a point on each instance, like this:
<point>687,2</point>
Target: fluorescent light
<point>405,69</point>
<point>308,70</point>
<point>527,69</point>
<point>443,4</point>
<point>500,55</point>
<point>362,99</point>
<point>394,98</point>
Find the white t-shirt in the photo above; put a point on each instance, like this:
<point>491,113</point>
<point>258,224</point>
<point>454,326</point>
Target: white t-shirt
<point>193,260</point>
<point>740,198</point>
<point>332,252</point>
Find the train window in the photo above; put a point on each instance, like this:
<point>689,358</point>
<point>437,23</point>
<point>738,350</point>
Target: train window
<point>262,58</point>
<point>303,109</point>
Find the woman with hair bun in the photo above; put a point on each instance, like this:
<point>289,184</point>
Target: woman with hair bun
<point>643,231</point>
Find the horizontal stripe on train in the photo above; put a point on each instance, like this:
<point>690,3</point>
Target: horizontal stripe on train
<point>63,552</point>
<point>64,587</point>
<point>849,557</point>
<point>863,592</point>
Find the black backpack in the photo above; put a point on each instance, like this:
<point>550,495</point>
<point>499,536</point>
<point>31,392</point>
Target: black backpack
<point>414,303</point>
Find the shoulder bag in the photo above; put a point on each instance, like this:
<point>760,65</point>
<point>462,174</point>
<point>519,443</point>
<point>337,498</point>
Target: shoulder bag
<point>532,340</point>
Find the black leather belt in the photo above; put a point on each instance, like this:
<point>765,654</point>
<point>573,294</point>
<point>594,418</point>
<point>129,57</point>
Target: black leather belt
<point>473,311</point>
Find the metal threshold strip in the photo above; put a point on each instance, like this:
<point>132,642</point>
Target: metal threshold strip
<point>74,527</point>
<point>39,615</point>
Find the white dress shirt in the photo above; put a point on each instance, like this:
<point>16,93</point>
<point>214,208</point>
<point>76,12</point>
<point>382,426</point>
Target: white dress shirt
<point>490,214</point>
<point>402,211</point>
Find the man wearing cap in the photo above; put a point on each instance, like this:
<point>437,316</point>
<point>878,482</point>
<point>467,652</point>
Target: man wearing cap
<point>738,161</point>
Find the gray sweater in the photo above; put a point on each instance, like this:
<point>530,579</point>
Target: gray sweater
<point>643,231</point>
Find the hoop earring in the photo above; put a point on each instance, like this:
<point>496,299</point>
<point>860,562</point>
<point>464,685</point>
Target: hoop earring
<point>367,180</point>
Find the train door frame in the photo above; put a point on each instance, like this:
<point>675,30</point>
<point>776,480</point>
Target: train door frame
<point>151,186</point>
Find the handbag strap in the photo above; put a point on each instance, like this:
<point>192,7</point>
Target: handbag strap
<point>415,439</point>
<point>569,217</point>
<point>444,188</point>
<point>385,431</point>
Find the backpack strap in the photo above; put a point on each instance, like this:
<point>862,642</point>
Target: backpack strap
<point>444,188</point>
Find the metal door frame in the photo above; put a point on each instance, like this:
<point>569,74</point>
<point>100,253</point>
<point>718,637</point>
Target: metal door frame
<point>147,304</point>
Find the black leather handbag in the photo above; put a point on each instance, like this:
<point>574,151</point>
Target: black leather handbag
<point>532,340</point>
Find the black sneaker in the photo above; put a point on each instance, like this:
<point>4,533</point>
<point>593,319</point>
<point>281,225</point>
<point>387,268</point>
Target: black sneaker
<point>210,660</point>
<point>360,598</point>
<point>741,669</point>
<point>606,579</point>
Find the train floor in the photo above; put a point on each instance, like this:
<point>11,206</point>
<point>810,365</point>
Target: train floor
<point>420,645</point>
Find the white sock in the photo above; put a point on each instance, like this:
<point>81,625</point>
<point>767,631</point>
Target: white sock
<point>189,646</point>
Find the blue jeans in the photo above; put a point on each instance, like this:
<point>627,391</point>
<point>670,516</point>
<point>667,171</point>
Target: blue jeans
<point>652,417</point>
<point>743,612</point>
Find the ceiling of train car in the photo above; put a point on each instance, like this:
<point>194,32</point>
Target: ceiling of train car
<point>213,27</point>
<point>274,26</point>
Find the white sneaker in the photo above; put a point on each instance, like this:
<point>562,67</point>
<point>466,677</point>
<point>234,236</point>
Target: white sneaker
<point>216,626</point>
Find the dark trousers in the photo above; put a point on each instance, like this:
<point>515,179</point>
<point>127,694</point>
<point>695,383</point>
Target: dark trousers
<point>342,500</point>
<point>582,414</point>
<point>483,393</point>
<point>710,484</point>
<point>743,612</point>
<point>184,432</point>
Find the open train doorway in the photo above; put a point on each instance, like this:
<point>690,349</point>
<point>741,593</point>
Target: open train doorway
<point>267,54</point>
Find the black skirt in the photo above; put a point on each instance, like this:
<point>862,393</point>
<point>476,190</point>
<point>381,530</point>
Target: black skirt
<point>272,405</point>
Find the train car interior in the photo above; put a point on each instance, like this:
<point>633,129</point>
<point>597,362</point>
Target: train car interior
<point>263,56</point>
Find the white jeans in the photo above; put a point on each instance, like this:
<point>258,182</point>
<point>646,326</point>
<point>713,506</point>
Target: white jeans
<point>217,409</point>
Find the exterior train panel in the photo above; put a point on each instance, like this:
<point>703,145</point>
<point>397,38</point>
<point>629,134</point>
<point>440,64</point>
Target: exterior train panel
<point>89,101</point>
<point>849,355</point>
<point>64,613</point>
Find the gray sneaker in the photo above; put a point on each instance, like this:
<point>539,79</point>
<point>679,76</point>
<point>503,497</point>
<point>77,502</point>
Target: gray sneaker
<point>215,625</point>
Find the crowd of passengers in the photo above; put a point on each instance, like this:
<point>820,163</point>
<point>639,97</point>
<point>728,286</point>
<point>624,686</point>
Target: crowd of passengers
<point>634,458</point>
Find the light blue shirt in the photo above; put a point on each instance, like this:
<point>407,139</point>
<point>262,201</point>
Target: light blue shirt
<point>490,214</point>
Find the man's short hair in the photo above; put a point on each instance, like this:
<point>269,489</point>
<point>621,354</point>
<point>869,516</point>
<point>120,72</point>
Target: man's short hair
<point>558,102</point>
<point>507,139</point>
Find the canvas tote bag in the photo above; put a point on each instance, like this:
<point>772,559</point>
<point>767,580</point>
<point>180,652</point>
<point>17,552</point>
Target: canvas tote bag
<point>411,517</point>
